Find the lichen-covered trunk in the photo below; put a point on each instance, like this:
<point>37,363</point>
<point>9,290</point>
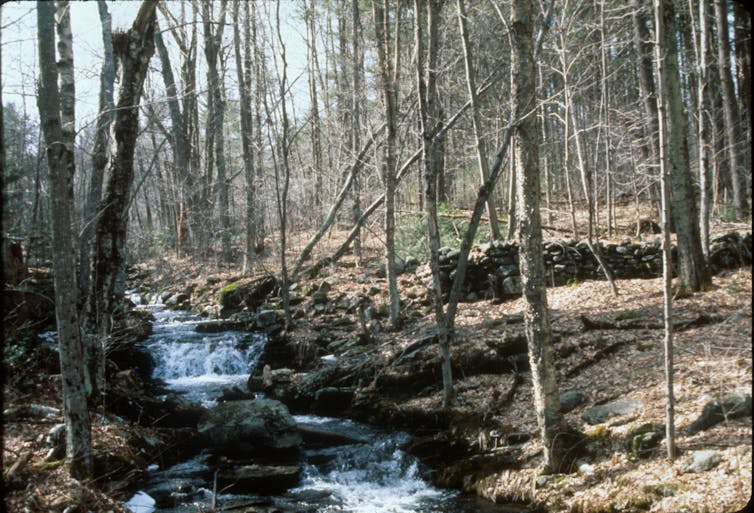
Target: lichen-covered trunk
<point>134,50</point>
<point>537,324</point>
<point>55,112</point>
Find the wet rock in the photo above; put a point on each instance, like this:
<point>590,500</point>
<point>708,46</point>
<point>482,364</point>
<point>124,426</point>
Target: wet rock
<point>731,406</point>
<point>178,301</point>
<point>255,478</point>
<point>701,461</point>
<point>603,412</point>
<point>332,400</point>
<point>248,428</point>
<point>219,325</point>
<point>321,437</point>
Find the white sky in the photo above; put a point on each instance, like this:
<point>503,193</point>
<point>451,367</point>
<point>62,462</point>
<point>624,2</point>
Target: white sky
<point>19,52</point>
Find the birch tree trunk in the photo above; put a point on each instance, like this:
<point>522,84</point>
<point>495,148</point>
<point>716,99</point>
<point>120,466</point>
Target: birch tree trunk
<point>58,132</point>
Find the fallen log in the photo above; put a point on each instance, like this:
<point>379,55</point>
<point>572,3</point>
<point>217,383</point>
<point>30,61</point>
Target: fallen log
<point>649,324</point>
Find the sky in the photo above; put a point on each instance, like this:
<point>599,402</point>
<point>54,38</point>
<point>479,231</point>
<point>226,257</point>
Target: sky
<point>19,51</point>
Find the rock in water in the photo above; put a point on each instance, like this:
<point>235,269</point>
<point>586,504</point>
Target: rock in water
<point>249,428</point>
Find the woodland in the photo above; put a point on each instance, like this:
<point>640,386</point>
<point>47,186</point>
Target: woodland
<point>505,242</point>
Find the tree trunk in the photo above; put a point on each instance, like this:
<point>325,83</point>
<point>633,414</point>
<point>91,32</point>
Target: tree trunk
<point>387,73</point>
<point>212,43</point>
<point>662,52</point>
<point>537,324</point>
<point>730,112</point>
<point>60,163</point>
<point>133,50</point>
<point>426,26</point>
<point>693,272</point>
<point>703,124</point>
<point>646,81</point>
<point>356,100</point>
<point>476,118</point>
<point>243,73</point>
<point>100,149</point>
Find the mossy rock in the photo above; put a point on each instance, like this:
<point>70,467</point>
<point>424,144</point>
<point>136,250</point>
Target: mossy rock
<point>643,440</point>
<point>229,296</point>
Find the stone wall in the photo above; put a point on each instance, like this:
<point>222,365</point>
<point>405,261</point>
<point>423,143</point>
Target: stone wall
<point>493,270</point>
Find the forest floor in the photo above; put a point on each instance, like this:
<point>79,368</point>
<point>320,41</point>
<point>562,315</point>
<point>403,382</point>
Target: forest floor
<point>710,360</point>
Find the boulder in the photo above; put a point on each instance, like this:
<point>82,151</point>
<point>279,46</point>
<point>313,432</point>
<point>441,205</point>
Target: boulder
<point>731,406</point>
<point>701,461</point>
<point>570,399</point>
<point>641,441</point>
<point>248,428</point>
<point>602,412</point>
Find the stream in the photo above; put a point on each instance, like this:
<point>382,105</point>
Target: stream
<point>375,476</point>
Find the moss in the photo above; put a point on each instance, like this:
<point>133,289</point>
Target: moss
<point>50,465</point>
<point>572,282</point>
<point>599,432</point>
<point>682,292</point>
<point>226,292</point>
<point>645,346</point>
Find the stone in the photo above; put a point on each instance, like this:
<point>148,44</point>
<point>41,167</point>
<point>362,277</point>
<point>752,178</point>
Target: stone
<point>56,442</point>
<point>701,461</point>
<point>512,286</point>
<point>731,406</point>
<point>570,399</point>
<point>268,479</point>
<point>248,428</point>
<point>603,412</point>
<point>643,440</point>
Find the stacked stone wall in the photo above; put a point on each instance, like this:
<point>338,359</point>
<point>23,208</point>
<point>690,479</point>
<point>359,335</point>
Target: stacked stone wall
<point>493,270</point>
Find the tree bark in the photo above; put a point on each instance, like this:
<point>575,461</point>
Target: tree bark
<point>243,73</point>
<point>693,272</point>
<point>389,91</point>
<point>212,42</point>
<point>133,49</point>
<point>426,26</point>
<point>476,118</point>
<point>664,16</point>
<point>730,112</point>
<point>61,169</point>
<point>537,324</point>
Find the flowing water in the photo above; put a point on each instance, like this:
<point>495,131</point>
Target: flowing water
<point>372,476</point>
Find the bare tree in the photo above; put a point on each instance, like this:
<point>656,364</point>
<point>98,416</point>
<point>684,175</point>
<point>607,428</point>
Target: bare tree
<point>57,116</point>
<point>133,50</point>
<point>100,149</point>
<point>387,50</point>
<point>537,324</point>
<point>730,111</point>
<point>476,119</point>
<point>665,149</point>
<point>243,70</point>
<point>216,121</point>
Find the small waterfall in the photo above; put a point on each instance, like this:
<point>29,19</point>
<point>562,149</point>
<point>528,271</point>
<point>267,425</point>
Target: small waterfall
<point>201,364</point>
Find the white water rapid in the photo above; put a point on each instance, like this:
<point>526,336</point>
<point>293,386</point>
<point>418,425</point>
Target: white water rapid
<point>374,476</point>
